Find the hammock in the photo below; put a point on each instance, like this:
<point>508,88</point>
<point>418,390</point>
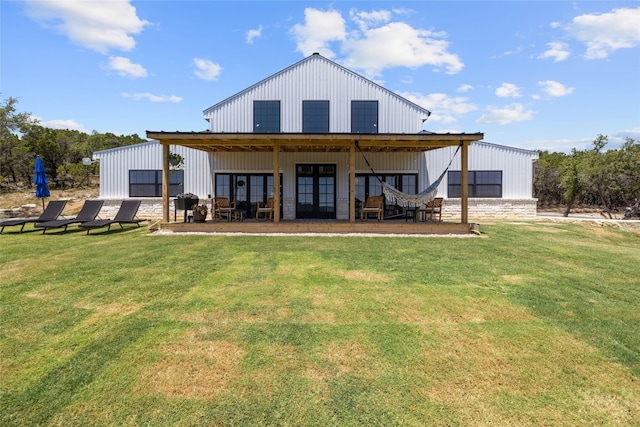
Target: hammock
<point>396,196</point>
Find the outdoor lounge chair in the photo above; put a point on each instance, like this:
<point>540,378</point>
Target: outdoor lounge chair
<point>126,215</point>
<point>89,212</point>
<point>222,206</point>
<point>266,209</point>
<point>432,208</point>
<point>374,205</point>
<point>51,212</point>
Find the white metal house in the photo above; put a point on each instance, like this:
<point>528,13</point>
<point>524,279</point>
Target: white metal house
<point>325,136</point>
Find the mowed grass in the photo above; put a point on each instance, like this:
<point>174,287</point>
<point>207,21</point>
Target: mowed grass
<point>530,324</point>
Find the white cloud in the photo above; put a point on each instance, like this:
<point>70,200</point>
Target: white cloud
<point>464,88</point>
<point>124,67</point>
<point>376,44</point>
<point>557,51</point>
<point>505,115</point>
<point>561,145</point>
<point>605,33</point>
<point>444,109</point>
<point>555,89</point>
<point>63,124</point>
<point>397,44</point>
<point>633,133</point>
<point>206,70</point>
<point>319,29</point>
<point>366,19</point>
<point>96,25</point>
<point>508,90</point>
<point>151,97</point>
<point>254,34</point>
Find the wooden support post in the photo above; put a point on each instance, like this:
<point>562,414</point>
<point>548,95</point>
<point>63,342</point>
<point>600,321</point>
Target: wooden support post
<point>464,191</point>
<point>165,182</point>
<point>352,183</point>
<point>276,183</point>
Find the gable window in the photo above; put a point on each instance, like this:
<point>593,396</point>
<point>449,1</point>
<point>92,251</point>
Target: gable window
<point>364,116</point>
<point>481,184</point>
<point>148,183</point>
<point>266,116</point>
<point>315,116</point>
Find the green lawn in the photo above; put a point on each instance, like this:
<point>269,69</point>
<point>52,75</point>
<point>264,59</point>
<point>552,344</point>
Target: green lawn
<point>528,324</point>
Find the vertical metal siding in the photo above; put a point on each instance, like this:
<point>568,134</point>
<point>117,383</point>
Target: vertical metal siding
<point>515,165</point>
<point>316,80</point>
<point>115,165</point>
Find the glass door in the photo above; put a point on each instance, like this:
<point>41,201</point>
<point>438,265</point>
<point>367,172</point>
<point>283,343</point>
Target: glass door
<point>316,191</point>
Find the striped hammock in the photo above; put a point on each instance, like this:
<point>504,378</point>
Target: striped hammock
<point>393,195</point>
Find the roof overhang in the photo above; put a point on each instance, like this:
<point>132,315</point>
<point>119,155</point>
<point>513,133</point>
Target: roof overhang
<point>326,142</point>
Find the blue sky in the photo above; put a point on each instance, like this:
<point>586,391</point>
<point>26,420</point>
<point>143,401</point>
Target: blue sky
<point>539,75</point>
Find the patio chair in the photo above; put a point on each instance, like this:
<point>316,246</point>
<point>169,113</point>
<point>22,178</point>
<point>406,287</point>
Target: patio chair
<point>222,206</point>
<point>125,215</point>
<point>266,209</point>
<point>51,212</point>
<point>89,212</point>
<point>433,207</point>
<point>374,205</point>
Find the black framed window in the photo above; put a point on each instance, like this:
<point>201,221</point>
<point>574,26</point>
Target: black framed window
<point>364,116</point>
<point>315,116</point>
<point>148,183</point>
<point>266,116</point>
<point>246,189</point>
<point>481,184</point>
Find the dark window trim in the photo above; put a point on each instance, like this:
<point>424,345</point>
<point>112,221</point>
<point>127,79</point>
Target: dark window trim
<point>312,123</point>
<point>454,190</point>
<point>234,177</point>
<point>356,119</point>
<point>370,176</point>
<point>268,120</point>
<point>175,188</point>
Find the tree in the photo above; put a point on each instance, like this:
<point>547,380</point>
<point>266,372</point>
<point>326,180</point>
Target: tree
<point>12,153</point>
<point>22,138</point>
<point>547,175</point>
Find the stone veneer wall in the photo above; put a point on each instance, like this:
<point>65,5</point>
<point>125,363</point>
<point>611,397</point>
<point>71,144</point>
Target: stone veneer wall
<point>479,209</point>
<point>150,208</point>
<point>486,209</point>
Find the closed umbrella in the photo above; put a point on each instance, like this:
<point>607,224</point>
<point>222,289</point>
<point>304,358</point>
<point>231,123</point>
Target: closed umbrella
<point>41,181</point>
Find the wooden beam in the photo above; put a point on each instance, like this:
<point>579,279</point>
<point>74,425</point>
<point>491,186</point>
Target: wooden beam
<point>352,183</point>
<point>276,183</point>
<point>464,193</point>
<point>165,183</point>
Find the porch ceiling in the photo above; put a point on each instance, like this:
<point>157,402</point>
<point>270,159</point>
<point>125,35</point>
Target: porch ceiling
<point>330,142</point>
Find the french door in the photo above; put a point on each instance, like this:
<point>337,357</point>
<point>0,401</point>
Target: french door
<point>246,190</point>
<point>316,191</point>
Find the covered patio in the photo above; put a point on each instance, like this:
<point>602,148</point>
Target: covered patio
<point>276,143</point>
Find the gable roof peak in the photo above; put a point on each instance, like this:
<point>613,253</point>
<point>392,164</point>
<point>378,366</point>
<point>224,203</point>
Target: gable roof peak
<point>314,57</point>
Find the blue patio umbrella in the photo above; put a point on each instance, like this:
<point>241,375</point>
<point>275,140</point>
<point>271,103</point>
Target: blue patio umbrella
<point>41,181</point>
